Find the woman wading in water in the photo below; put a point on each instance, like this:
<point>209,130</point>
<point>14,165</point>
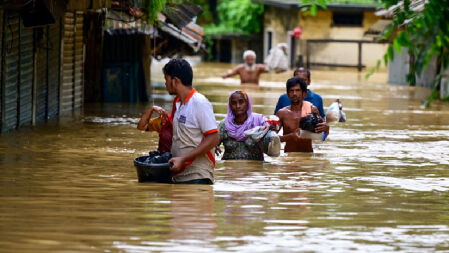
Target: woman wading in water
<point>231,130</point>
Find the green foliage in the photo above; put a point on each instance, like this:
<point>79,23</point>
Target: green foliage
<point>209,44</point>
<point>205,17</point>
<point>424,34</point>
<point>237,16</point>
<point>152,8</point>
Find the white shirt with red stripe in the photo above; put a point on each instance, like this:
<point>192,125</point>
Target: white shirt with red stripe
<point>193,119</point>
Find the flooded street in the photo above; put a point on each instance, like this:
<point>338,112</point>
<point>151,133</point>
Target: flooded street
<point>379,183</point>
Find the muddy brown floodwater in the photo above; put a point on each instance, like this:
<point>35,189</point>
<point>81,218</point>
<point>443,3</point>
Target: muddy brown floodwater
<point>379,183</point>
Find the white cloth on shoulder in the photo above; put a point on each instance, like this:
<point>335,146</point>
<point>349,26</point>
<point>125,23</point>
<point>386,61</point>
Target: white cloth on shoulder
<point>277,58</point>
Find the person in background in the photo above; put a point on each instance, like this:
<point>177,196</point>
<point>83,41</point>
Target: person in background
<point>249,71</point>
<point>231,130</point>
<point>311,97</point>
<point>277,59</point>
<point>195,133</point>
<point>290,116</point>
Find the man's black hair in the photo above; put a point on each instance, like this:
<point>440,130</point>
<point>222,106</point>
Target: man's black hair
<point>295,81</point>
<point>181,69</point>
<point>302,70</point>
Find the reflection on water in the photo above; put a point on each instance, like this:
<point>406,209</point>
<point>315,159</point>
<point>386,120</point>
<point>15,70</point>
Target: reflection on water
<point>380,182</point>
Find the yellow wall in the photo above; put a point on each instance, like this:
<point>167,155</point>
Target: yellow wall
<point>280,21</point>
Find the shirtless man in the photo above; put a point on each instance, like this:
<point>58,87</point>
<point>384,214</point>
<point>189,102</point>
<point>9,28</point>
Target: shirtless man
<point>290,116</point>
<point>249,71</point>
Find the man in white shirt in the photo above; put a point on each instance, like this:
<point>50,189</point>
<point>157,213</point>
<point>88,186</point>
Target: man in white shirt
<point>195,133</point>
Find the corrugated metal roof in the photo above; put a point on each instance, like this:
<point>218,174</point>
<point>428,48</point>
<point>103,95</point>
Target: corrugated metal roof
<point>118,22</point>
<point>181,14</point>
<point>121,23</point>
<point>415,5</point>
<point>379,26</point>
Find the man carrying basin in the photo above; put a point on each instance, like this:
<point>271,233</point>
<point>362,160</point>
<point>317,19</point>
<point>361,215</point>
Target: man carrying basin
<point>311,97</point>
<point>290,116</point>
<point>195,133</point>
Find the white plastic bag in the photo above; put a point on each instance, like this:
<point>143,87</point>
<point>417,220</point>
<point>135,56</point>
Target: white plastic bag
<point>257,133</point>
<point>271,144</point>
<point>268,140</point>
<point>335,113</point>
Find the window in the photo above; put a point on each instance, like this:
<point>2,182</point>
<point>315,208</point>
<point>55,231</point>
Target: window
<point>347,19</point>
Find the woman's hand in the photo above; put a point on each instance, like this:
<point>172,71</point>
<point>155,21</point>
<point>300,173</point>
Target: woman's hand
<point>273,126</point>
<point>160,111</point>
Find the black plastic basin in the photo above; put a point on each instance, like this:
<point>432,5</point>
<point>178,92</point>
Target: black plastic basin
<point>154,172</point>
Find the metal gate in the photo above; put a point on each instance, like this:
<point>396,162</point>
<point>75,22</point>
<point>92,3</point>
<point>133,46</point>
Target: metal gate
<point>26,68</point>
<point>1,66</point>
<point>72,64</point>
<point>41,69</point>
<point>10,53</point>
<point>17,72</point>
<point>54,49</point>
<point>41,82</point>
<point>78,67</point>
<point>47,71</point>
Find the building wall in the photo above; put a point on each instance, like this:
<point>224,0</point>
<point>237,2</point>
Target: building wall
<point>320,26</point>
<point>444,86</point>
<point>399,67</point>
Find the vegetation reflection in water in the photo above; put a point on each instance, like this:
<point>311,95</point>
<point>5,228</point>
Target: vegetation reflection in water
<point>379,183</point>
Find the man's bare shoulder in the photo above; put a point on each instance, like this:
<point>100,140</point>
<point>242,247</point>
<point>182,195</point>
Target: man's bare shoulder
<point>283,112</point>
<point>240,66</point>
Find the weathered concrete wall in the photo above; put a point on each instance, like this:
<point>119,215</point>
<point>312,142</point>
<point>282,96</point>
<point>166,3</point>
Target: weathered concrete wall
<point>428,75</point>
<point>399,67</point>
<point>444,88</point>
<point>281,21</point>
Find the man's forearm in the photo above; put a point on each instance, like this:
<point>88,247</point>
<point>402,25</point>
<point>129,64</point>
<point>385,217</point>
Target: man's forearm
<point>227,74</point>
<point>286,137</point>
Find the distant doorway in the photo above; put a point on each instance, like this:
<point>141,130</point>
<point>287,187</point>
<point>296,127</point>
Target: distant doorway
<point>224,51</point>
<point>291,43</point>
<point>268,42</point>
